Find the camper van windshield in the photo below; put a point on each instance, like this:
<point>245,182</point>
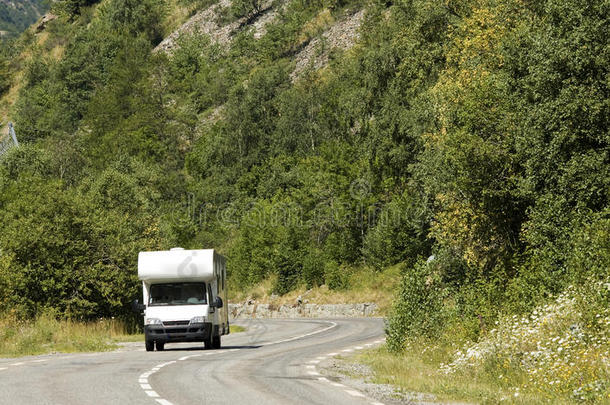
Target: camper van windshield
<point>178,294</point>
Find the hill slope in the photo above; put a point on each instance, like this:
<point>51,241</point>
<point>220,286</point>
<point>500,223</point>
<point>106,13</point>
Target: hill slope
<point>17,15</point>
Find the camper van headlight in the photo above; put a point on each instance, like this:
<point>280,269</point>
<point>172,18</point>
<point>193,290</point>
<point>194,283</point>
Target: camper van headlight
<point>152,321</point>
<point>198,319</point>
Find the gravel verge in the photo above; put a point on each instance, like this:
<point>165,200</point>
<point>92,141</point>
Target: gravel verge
<point>359,376</point>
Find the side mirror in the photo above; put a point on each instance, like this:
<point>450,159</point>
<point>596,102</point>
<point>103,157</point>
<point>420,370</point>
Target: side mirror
<point>218,302</point>
<point>137,307</point>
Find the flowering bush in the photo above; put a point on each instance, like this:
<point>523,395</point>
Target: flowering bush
<point>560,349</point>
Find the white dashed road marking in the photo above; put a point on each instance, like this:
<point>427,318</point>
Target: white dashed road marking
<point>145,385</point>
<point>310,365</point>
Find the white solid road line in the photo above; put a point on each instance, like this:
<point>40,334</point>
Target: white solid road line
<point>3,368</point>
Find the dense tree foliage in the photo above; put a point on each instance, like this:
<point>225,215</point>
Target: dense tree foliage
<point>466,140</point>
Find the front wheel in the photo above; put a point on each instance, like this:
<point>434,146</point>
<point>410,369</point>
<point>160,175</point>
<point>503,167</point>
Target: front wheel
<point>150,345</point>
<point>216,342</point>
<point>160,346</point>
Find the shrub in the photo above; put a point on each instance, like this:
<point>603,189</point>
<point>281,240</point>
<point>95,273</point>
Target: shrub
<point>336,277</point>
<point>313,268</point>
<point>418,310</point>
<point>560,349</point>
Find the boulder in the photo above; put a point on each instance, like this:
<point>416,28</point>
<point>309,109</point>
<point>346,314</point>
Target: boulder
<point>42,25</point>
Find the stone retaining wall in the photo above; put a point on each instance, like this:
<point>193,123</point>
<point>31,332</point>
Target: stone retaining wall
<point>254,310</point>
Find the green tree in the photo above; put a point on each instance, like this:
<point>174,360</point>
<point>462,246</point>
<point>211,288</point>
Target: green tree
<point>246,8</point>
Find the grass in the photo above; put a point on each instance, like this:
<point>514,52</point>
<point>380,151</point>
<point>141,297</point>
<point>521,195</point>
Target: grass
<point>236,329</point>
<point>556,354</point>
<point>418,370</point>
<point>48,335</point>
<point>364,285</point>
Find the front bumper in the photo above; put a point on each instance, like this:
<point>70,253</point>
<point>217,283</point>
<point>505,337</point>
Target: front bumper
<point>196,332</point>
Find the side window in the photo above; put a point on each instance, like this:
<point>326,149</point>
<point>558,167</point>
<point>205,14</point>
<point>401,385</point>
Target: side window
<point>210,296</point>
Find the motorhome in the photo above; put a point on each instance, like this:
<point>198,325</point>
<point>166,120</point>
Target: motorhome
<point>184,295</point>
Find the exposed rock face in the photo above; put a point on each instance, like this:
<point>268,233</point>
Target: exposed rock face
<point>42,25</point>
<point>206,22</point>
<point>251,310</point>
<point>342,35</point>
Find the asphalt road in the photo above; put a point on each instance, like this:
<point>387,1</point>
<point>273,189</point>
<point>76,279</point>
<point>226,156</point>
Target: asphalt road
<point>273,362</point>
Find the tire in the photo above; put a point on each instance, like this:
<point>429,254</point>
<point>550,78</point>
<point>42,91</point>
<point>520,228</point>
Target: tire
<point>207,344</point>
<point>216,342</point>
<point>160,346</point>
<point>150,345</point>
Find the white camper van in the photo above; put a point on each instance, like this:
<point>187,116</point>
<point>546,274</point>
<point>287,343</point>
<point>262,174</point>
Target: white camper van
<point>184,296</point>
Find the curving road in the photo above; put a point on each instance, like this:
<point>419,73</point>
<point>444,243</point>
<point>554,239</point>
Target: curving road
<point>273,362</point>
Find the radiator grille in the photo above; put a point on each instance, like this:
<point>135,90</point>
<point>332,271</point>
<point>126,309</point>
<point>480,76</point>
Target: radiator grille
<point>176,323</point>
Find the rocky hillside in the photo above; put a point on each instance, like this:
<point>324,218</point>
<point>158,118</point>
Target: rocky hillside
<point>17,15</point>
<point>321,35</point>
